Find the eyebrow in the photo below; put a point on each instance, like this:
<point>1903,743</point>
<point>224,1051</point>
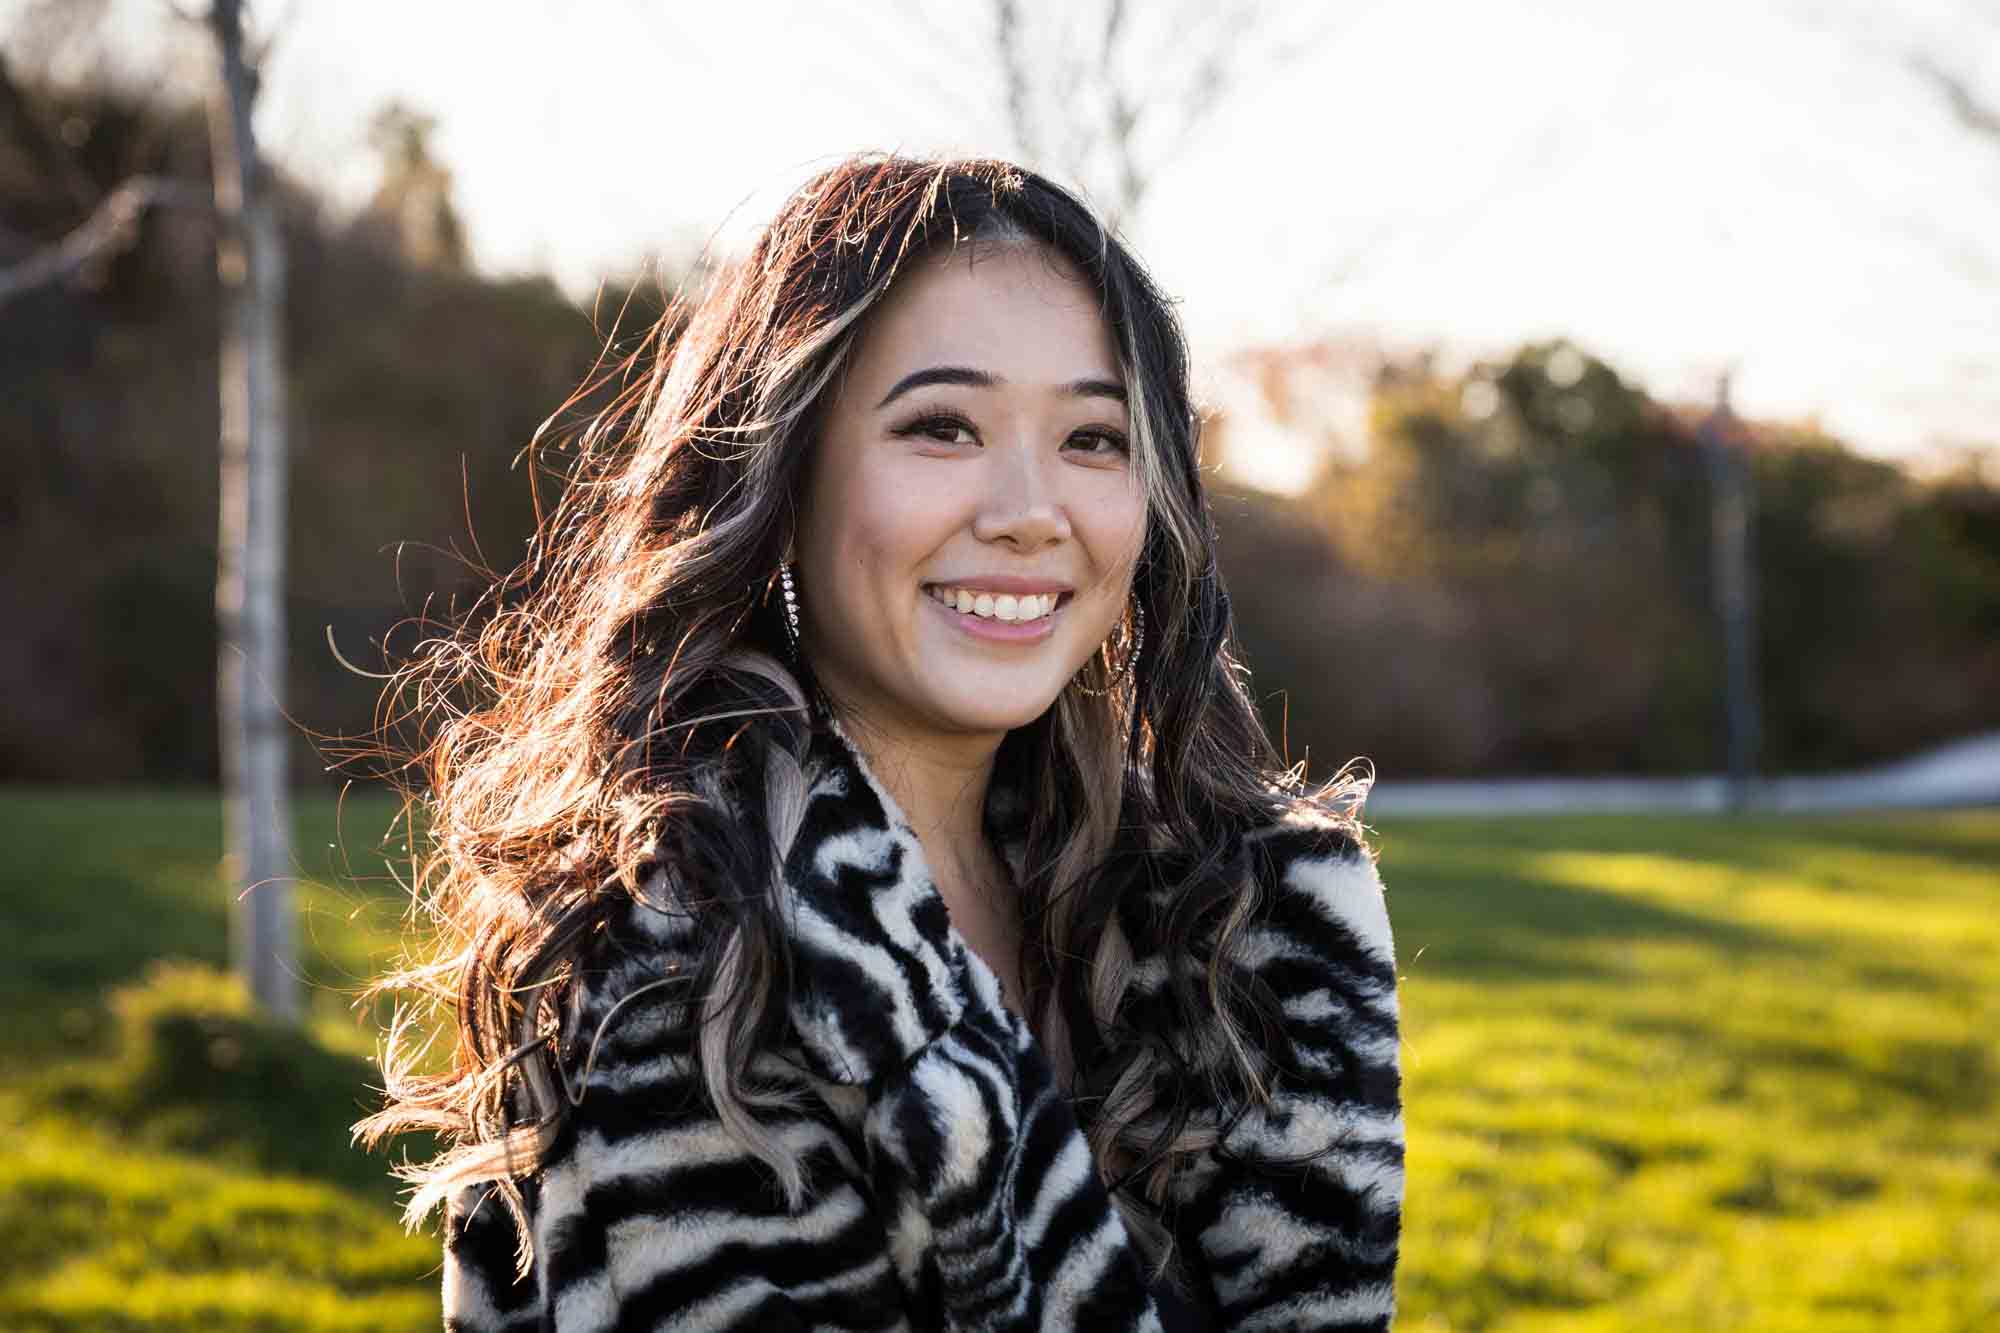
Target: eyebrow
<point>1088,387</point>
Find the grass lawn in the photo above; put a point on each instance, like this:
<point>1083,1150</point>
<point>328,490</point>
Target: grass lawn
<point>169,1162</point>
<point>1700,1073</point>
<point>1677,1072</point>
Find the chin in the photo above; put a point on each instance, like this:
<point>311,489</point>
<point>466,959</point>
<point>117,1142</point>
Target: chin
<point>999,708</point>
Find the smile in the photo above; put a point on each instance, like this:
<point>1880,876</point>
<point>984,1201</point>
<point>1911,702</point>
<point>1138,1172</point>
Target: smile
<point>1004,606</point>
<point>1019,615</point>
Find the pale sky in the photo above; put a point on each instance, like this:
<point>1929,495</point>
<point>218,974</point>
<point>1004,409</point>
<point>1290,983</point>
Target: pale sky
<point>1678,188</point>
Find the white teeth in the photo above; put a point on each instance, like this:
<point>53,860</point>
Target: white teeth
<point>998,606</point>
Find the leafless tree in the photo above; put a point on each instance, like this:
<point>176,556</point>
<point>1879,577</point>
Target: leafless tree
<point>112,226</point>
<point>63,41</point>
<point>250,573</point>
<point>1975,108</point>
<point>1106,93</point>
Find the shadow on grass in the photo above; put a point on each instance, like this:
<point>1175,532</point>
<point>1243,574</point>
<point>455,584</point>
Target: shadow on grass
<point>97,886</point>
<point>47,1220</point>
<point>194,1070</point>
<point>1774,1189</point>
<point>1495,922</point>
<point>1956,1075</point>
<point>1961,840</point>
<point>1462,892</point>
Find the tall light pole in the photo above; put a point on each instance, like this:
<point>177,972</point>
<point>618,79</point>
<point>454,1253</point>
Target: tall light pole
<point>1731,564</point>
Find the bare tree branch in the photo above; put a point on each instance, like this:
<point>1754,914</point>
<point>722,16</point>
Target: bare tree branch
<point>1014,75</point>
<point>1110,97</point>
<point>1973,111</point>
<point>114,226</point>
<point>259,54</point>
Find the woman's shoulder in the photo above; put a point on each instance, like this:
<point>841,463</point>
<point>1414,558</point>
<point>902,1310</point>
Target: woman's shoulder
<point>1319,874</point>
<point>1300,862</point>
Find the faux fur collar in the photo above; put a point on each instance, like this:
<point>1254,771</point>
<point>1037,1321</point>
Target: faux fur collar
<point>880,972</point>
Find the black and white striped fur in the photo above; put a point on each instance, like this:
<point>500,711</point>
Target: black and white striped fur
<point>946,1182</point>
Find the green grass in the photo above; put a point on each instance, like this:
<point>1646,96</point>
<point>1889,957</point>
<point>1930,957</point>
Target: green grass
<point>171,1161</point>
<point>1693,1073</point>
<point>1660,1073</point>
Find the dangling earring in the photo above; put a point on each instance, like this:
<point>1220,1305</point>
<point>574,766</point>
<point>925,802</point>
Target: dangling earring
<point>791,608</point>
<point>1135,643</point>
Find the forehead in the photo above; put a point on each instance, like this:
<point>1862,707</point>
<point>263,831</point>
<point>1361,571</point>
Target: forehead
<point>1018,311</point>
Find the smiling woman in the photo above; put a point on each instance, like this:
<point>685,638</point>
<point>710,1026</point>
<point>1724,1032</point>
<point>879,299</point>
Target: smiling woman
<point>861,891</point>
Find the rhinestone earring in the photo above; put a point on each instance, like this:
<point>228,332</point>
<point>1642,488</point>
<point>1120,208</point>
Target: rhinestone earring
<point>791,608</point>
<point>1135,643</point>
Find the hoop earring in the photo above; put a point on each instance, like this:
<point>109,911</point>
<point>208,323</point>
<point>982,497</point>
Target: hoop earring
<point>1135,643</point>
<point>791,609</point>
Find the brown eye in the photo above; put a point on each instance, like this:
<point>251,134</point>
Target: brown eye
<point>939,427</point>
<point>1105,443</point>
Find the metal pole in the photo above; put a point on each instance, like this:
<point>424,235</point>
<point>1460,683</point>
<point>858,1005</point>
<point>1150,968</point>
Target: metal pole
<point>1731,488</point>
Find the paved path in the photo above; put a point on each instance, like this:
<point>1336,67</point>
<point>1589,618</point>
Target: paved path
<point>1963,773</point>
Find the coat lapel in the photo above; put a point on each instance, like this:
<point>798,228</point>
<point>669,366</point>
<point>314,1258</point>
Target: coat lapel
<point>879,972</point>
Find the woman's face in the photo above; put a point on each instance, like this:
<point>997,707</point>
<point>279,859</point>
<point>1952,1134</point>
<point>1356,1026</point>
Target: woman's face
<point>971,513</point>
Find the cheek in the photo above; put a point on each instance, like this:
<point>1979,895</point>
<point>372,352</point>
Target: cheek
<point>890,522</point>
<point>1113,528</point>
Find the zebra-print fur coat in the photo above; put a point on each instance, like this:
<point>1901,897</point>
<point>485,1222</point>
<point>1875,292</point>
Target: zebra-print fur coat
<point>950,1185</point>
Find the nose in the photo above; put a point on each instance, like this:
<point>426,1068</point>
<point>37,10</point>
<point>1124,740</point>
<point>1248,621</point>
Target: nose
<point>1022,509</point>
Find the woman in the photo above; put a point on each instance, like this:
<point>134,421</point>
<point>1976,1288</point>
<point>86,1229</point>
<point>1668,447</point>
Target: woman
<point>865,895</point>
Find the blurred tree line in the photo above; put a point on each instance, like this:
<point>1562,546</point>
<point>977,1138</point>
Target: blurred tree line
<point>1517,577</point>
<point>415,386</point>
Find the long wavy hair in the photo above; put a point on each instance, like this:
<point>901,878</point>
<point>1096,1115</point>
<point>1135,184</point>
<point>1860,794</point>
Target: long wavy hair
<point>618,702</point>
